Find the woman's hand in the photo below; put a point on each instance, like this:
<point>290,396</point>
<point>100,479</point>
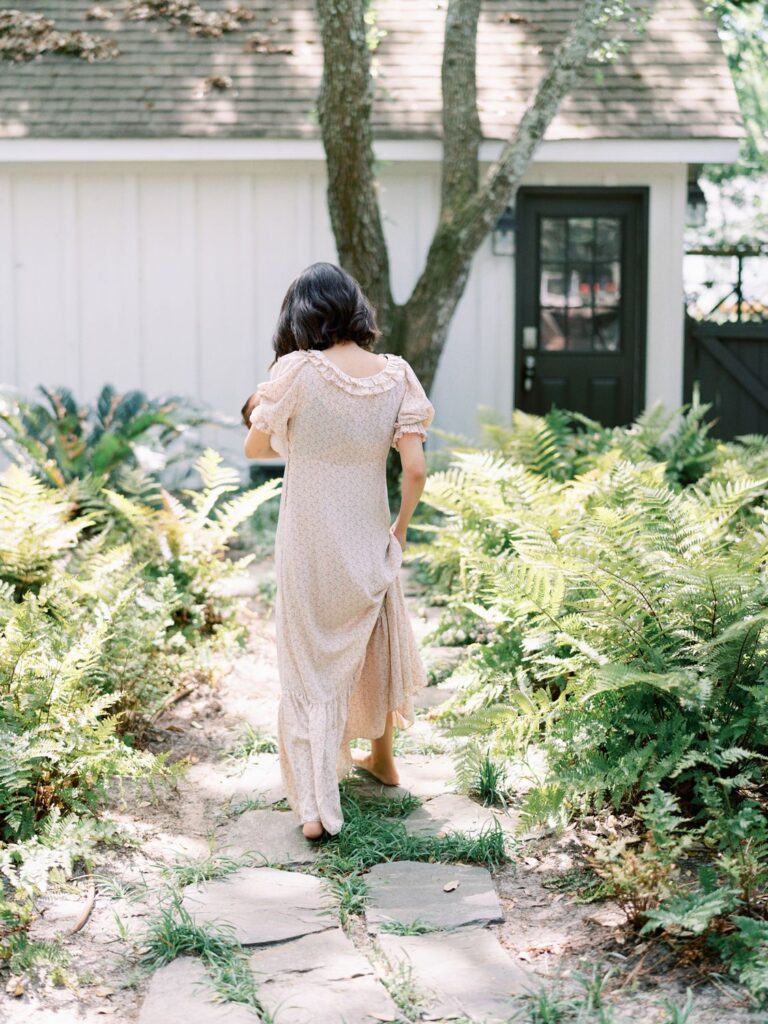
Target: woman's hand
<point>399,532</point>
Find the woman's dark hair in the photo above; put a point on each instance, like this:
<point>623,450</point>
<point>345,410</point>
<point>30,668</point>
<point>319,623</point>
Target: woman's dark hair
<point>324,305</point>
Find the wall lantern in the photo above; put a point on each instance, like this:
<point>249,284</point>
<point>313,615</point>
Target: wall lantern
<point>696,206</point>
<point>503,235</point>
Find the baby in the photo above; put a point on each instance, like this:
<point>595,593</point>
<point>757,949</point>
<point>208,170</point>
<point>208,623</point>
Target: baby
<point>247,409</point>
<point>277,450</point>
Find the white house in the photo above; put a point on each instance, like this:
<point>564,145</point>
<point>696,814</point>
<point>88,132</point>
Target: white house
<point>155,206</point>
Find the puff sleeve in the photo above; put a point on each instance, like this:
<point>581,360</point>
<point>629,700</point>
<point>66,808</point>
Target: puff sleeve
<point>277,398</point>
<point>416,411</point>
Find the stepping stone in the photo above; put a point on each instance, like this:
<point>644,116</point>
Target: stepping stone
<point>259,779</point>
<point>273,835</point>
<point>263,904</point>
<point>406,890</point>
<point>427,775</point>
<point>182,993</point>
<point>454,812</point>
<point>466,972</point>
<point>423,775</point>
<point>431,696</point>
<point>443,657</point>
<point>320,978</point>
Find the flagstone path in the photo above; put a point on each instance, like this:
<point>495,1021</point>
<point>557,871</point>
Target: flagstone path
<point>307,968</point>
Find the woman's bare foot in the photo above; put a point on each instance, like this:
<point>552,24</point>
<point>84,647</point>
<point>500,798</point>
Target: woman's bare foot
<point>386,773</point>
<point>312,829</point>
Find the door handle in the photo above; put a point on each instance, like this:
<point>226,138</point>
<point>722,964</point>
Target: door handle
<point>529,372</point>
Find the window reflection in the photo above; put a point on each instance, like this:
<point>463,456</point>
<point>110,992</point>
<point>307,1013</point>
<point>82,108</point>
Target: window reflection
<point>580,284</point>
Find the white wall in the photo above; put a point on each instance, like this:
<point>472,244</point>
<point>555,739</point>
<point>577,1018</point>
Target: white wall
<point>169,277</point>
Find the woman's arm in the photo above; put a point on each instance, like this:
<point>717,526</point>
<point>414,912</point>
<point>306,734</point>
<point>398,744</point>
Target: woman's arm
<point>412,482</point>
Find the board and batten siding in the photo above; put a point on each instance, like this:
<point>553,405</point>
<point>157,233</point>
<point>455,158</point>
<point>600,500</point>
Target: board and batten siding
<point>169,277</point>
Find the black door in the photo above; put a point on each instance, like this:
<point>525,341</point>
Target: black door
<point>581,300</point>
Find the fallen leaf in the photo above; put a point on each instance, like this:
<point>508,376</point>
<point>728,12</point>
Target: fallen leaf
<point>450,886</point>
<point>15,987</point>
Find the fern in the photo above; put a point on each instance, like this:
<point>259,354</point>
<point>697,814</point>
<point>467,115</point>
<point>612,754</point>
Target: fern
<point>625,575</point>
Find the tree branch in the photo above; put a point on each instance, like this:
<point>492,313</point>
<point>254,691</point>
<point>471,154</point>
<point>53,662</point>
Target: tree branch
<point>435,296</point>
<point>345,101</point>
<point>461,124</point>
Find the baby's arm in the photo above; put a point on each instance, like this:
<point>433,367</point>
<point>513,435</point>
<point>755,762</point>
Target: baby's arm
<point>258,442</point>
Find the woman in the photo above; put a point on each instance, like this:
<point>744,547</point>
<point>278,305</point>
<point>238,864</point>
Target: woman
<point>347,657</point>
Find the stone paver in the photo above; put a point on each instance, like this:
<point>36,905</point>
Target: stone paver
<point>274,836</point>
<point>466,972</point>
<point>453,812</point>
<point>263,904</point>
<point>427,775</point>
<point>320,978</point>
<point>258,780</point>
<point>182,993</point>
<point>431,696</point>
<point>406,890</point>
<point>423,775</point>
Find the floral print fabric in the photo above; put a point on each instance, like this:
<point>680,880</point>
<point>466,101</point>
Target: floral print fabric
<point>347,655</point>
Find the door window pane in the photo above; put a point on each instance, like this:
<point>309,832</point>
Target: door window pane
<point>553,329</point>
<point>580,284</point>
<point>553,238</point>
<point>553,284</point>
<point>581,237</point>
<point>608,240</point>
<point>606,332</point>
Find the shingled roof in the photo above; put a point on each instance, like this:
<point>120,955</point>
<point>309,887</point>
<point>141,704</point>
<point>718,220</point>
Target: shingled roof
<point>673,83</point>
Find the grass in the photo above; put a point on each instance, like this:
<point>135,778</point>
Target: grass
<point>237,807</point>
<point>416,927</point>
<point>252,743</point>
<point>373,833</point>
<point>173,933</point>
<point>552,1007</point>
<point>491,782</point>
<point>204,870</point>
<point>401,986</point>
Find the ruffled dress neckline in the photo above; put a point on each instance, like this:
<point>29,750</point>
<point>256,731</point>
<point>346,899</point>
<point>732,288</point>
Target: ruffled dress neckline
<point>374,383</point>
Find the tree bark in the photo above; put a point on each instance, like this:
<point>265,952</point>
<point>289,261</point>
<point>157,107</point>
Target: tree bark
<point>346,97</point>
<point>462,134</point>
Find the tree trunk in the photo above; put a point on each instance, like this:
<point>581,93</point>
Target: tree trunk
<point>346,96</point>
<point>469,210</point>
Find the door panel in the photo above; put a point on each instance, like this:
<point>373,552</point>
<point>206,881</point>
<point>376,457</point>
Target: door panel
<point>581,299</point>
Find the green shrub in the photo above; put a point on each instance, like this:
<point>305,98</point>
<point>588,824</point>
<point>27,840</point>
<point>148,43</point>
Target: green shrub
<point>61,441</point>
<point>102,617</point>
<point>623,574</point>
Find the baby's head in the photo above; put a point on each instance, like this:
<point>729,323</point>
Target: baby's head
<point>247,409</point>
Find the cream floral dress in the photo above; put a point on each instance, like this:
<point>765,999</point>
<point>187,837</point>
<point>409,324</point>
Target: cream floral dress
<point>347,656</point>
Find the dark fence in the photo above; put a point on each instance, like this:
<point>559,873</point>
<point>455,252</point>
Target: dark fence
<point>730,362</point>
